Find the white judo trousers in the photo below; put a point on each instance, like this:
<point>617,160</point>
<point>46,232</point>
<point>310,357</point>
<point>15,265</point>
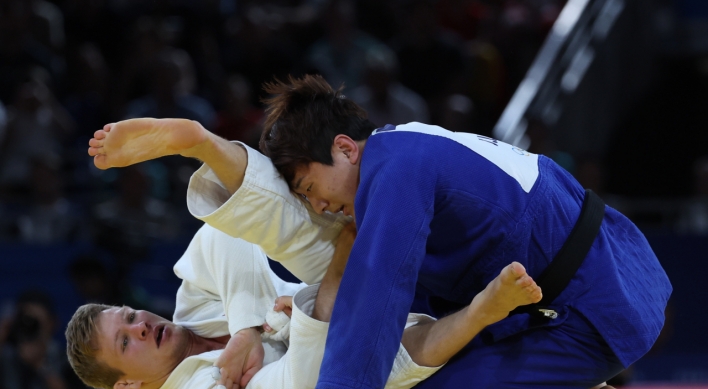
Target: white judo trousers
<point>228,286</point>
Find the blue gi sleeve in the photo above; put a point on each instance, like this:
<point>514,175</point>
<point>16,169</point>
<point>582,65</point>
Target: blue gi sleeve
<point>394,208</point>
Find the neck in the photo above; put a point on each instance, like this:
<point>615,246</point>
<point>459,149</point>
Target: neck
<point>196,345</point>
<point>362,144</point>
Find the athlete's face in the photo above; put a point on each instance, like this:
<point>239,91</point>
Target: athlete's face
<point>332,188</point>
<point>144,346</point>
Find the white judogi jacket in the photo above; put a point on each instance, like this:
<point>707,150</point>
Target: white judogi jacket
<point>228,285</point>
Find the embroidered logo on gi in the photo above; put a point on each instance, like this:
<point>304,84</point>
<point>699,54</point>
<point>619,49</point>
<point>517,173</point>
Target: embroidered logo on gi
<point>488,140</point>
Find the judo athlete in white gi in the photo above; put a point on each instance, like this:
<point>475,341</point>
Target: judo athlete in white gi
<point>254,204</point>
<point>227,284</point>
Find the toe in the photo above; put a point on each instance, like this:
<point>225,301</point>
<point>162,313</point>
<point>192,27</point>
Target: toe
<point>93,142</point>
<point>100,162</point>
<point>525,281</point>
<point>100,134</point>
<point>94,151</point>
<point>518,269</point>
<point>537,295</point>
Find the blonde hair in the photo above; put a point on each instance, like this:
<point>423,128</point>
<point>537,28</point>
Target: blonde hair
<point>81,348</point>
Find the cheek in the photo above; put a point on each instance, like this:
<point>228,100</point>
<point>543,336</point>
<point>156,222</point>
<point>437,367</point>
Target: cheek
<point>327,189</point>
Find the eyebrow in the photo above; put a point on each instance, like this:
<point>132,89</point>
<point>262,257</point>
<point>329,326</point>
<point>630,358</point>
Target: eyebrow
<point>297,184</point>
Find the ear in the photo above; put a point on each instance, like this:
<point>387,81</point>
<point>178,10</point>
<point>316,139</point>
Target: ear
<point>347,147</point>
<point>125,383</point>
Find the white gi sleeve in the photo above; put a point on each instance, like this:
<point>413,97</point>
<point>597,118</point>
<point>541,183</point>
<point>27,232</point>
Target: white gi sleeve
<point>264,212</point>
<point>300,366</point>
<point>225,281</point>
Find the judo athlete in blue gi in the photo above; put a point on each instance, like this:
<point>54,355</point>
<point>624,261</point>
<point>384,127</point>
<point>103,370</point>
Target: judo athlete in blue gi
<point>439,214</point>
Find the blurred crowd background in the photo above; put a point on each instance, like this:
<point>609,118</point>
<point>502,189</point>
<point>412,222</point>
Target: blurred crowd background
<point>70,233</point>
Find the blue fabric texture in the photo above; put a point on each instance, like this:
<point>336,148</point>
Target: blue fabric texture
<point>571,356</point>
<point>439,214</point>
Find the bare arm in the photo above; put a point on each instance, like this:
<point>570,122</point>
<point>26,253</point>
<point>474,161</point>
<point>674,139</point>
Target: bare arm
<point>327,294</point>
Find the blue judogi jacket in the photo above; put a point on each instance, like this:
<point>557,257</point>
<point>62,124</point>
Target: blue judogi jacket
<point>439,214</point>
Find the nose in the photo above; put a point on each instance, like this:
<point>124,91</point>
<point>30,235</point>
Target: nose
<point>140,330</point>
<point>318,205</point>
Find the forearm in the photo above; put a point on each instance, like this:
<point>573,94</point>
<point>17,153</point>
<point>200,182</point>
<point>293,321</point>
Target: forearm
<point>327,294</point>
<point>433,344</point>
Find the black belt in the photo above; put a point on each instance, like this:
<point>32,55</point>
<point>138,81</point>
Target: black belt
<point>556,277</point>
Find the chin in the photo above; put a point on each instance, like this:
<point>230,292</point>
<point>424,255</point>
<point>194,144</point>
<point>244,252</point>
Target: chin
<point>180,339</point>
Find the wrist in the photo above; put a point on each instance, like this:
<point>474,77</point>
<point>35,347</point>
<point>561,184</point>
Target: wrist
<point>206,146</point>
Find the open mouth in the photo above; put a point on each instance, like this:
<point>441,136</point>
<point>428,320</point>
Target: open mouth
<point>160,332</point>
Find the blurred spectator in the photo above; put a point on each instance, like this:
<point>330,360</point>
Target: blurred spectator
<point>484,81</point>
<point>694,215</point>
<point>48,26</point>
<point>339,56</point>
<point>171,87</point>
<point>239,119</point>
<point>148,37</point>
<point>87,90</point>
<point>127,224</point>
<point>463,16</point>
<point>37,125</point>
<point>7,213</point>
<point>50,217</point>
<point>458,114</point>
<point>378,18</point>
<point>542,142</point>
<point>19,49</point>
<point>208,65</point>
<point>31,359</point>
<point>518,35</point>
<point>95,284</point>
<point>95,21</point>
<point>382,96</point>
<point>430,57</point>
<point>3,129</point>
<point>590,172</point>
<point>255,44</point>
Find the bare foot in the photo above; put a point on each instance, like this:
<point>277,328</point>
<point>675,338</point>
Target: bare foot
<point>510,289</point>
<point>136,140</point>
